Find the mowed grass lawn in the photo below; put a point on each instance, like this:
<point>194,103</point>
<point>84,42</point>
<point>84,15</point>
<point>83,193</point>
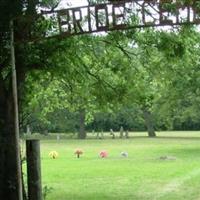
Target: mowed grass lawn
<point>141,176</point>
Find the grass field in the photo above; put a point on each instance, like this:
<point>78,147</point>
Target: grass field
<point>141,176</point>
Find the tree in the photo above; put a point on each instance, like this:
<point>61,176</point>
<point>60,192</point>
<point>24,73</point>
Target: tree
<point>29,56</point>
<point>139,75</point>
<point>84,81</point>
<point>180,78</point>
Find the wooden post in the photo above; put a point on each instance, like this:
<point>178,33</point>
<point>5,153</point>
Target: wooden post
<point>16,116</point>
<point>33,170</point>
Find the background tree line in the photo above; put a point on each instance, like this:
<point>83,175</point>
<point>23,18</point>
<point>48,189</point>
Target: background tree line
<point>145,80</point>
<point>63,121</point>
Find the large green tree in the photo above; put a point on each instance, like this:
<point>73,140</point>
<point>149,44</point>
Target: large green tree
<point>84,81</point>
<point>29,56</point>
<point>178,102</point>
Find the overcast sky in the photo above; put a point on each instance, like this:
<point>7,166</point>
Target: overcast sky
<point>73,3</point>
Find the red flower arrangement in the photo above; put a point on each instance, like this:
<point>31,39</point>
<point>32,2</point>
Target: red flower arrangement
<point>78,152</point>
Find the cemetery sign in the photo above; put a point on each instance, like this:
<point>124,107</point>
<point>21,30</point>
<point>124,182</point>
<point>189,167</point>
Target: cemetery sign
<point>119,15</point>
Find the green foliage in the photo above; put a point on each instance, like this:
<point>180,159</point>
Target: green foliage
<point>148,69</point>
<point>157,70</point>
<point>46,191</point>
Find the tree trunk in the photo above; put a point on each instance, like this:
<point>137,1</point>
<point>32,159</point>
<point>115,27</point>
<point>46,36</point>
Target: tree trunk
<point>149,122</point>
<point>8,163</point>
<point>82,132</point>
<point>8,152</point>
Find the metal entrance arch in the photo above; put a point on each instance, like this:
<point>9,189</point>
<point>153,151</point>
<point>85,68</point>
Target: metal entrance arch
<point>121,15</point>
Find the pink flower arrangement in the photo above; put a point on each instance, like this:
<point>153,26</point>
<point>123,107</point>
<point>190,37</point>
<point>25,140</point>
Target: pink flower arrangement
<point>78,152</point>
<point>103,154</point>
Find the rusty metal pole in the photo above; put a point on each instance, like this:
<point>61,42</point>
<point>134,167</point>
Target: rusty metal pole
<point>16,117</point>
<point>34,170</point>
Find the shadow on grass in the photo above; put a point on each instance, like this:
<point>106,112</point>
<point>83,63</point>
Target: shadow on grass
<point>191,152</point>
<point>166,137</point>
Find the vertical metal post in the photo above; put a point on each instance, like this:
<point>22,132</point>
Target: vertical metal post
<point>16,117</point>
<point>33,170</point>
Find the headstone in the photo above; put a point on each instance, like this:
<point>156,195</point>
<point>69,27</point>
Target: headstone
<point>124,154</point>
<point>167,158</point>
<point>28,130</point>
<point>58,137</point>
<point>46,132</point>
<point>101,137</point>
<point>127,134</point>
<point>112,133</point>
<point>121,132</point>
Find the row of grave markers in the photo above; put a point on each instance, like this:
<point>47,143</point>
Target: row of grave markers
<point>79,152</point>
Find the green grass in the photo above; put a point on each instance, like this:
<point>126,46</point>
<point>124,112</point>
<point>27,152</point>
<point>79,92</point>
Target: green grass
<point>141,176</point>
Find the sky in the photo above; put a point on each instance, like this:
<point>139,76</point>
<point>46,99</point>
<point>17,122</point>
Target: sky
<point>73,3</point>
<point>64,4</point>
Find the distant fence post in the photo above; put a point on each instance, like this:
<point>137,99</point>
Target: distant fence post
<point>33,170</point>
